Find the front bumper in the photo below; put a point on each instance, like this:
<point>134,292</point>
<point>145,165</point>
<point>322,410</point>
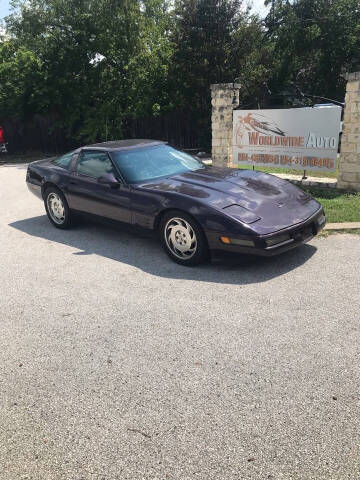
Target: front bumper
<point>298,234</point>
<point>35,189</point>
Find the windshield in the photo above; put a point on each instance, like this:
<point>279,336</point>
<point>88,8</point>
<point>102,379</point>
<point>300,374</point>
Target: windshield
<point>153,162</point>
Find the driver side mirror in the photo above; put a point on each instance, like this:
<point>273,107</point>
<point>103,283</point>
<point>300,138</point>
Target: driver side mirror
<point>109,180</point>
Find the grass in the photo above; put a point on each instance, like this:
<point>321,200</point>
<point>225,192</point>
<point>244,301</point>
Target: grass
<point>339,206</point>
<point>326,233</point>
<point>321,174</point>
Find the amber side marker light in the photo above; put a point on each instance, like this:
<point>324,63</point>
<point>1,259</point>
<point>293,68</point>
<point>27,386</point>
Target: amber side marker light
<point>236,241</point>
<point>225,240</point>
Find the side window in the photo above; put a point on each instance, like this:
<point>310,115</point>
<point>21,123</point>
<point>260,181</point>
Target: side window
<point>64,161</point>
<point>95,164</point>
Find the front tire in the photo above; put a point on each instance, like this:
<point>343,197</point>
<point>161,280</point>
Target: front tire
<point>183,239</point>
<point>57,208</point>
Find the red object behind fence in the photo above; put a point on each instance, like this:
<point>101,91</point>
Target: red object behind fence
<point>2,136</point>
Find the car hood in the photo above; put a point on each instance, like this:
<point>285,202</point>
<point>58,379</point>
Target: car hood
<point>258,199</point>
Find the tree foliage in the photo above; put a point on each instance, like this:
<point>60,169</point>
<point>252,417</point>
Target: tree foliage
<point>92,63</point>
<point>216,41</point>
<point>20,80</point>
<point>315,42</point>
<point>100,60</point>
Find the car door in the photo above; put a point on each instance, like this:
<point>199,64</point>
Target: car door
<point>86,194</point>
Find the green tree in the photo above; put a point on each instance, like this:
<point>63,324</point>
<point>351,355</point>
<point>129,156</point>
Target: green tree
<point>216,41</point>
<point>92,63</point>
<point>20,75</point>
<point>203,42</point>
<point>101,60</point>
<point>315,42</point>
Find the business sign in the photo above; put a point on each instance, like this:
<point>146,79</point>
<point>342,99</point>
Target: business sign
<point>296,138</point>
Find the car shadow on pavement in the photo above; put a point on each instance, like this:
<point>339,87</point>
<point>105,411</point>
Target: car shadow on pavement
<point>146,253</point>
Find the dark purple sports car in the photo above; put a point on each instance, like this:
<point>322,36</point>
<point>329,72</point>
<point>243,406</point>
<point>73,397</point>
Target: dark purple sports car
<point>196,209</point>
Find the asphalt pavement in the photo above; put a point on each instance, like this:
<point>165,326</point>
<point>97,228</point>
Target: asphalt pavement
<point>118,364</point>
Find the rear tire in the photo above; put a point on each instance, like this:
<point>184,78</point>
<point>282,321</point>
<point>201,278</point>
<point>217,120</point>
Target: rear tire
<point>57,208</point>
<point>183,239</point>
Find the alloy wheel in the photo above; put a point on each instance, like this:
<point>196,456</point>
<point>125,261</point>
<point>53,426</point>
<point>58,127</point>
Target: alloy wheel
<point>180,238</point>
<point>56,208</point>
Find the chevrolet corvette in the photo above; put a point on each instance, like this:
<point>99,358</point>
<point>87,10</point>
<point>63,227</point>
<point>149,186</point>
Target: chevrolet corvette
<point>196,210</point>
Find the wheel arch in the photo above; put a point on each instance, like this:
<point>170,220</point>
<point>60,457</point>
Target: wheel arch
<point>46,185</point>
<point>161,214</point>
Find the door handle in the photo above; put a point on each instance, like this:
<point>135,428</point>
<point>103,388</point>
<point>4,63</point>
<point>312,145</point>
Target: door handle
<point>72,182</point>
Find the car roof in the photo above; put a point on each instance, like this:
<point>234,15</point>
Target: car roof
<point>123,144</point>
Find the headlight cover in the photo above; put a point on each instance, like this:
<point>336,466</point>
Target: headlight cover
<point>241,214</point>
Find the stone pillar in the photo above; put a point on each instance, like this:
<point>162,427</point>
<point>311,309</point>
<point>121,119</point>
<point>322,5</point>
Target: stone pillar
<point>349,169</point>
<point>222,95</point>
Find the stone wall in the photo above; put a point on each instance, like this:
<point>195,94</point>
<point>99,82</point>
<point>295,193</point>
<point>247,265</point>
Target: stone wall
<point>349,170</point>
<point>222,95</point>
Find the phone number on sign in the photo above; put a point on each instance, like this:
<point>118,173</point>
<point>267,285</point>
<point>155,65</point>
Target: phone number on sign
<point>286,160</point>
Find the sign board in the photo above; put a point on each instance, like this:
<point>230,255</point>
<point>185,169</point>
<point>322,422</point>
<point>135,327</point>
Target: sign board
<point>296,138</point>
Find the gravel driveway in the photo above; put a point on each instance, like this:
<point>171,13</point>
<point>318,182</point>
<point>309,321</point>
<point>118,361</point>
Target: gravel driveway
<point>117,364</point>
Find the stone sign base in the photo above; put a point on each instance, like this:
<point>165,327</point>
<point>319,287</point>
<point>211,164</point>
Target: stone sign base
<point>349,171</point>
<point>222,96</point>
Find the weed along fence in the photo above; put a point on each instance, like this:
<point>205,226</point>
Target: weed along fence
<point>303,139</point>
